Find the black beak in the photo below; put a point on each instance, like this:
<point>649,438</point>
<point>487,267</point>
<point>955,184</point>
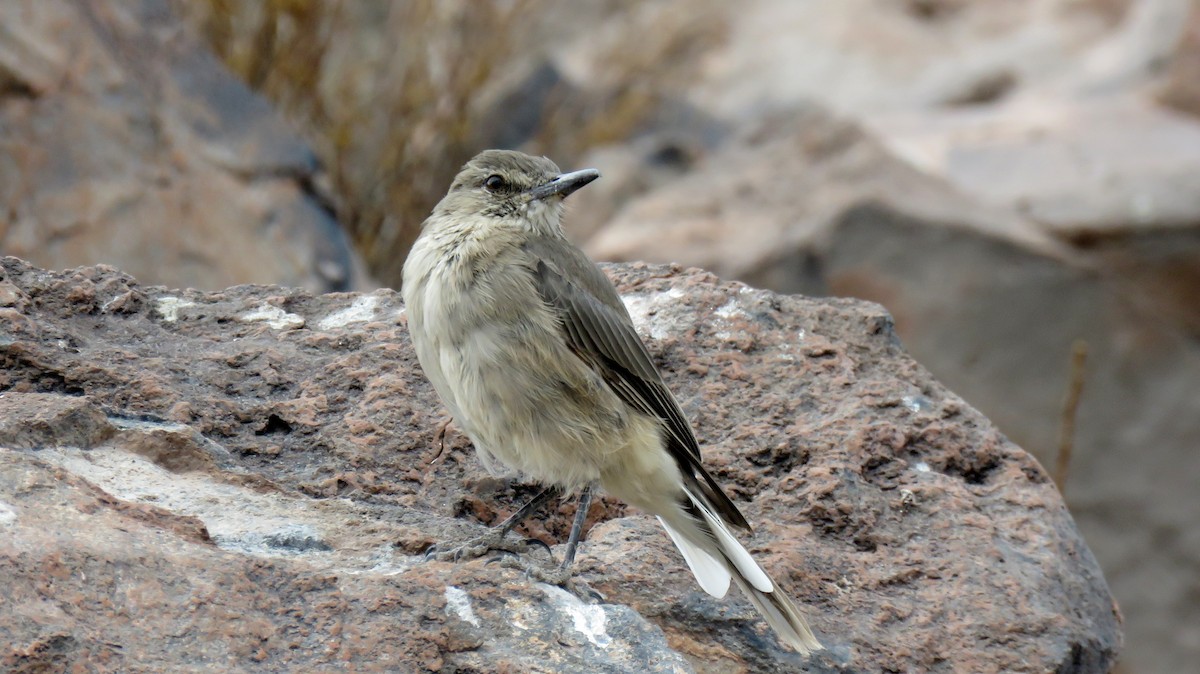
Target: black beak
<point>564,184</point>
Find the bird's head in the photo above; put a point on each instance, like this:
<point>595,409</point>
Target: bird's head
<point>505,184</point>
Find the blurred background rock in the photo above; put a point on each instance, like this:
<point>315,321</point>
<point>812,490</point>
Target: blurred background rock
<point>1015,180</point>
<point>125,141</point>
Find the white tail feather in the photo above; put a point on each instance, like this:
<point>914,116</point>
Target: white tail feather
<point>715,557</point>
<point>709,571</point>
<point>734,551</point>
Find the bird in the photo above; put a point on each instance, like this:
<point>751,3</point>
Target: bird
<point>535,356</point>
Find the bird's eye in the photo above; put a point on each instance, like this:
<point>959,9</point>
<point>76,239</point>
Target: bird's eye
<point>494,183</point>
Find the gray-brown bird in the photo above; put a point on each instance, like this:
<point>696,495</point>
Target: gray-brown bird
<point>531,349</point>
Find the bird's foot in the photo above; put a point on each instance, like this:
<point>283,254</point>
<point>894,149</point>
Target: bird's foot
<point>492,541</point>
<point>558,575</point>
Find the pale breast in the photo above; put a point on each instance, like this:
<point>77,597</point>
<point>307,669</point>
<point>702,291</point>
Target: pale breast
<point>497,356</point>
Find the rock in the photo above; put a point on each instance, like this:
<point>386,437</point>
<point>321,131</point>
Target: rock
<point>1133,470</point>
<point>36,420</point>
<point>135,585</point>
<point>866,57</point>
<point>629,170</point>
<point>1157,270</point>
<point>1079,168</point>
<point>128,143</point>
<point>760,207</point>
<point>1180,88</point>
<point>276,515</point>
<point>992,302</point>
<point>1115,178</point>
<point>1004,166</point>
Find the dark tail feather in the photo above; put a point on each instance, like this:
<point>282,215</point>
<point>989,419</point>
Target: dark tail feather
<point>782,615</point>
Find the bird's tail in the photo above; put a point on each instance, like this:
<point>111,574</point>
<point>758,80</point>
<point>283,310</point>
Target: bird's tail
<point>715,557</point>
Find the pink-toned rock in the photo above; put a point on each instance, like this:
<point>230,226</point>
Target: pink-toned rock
<point>32,420</point>
<point>127,143</point>
<point>915,534</point>
<point>991,301</point>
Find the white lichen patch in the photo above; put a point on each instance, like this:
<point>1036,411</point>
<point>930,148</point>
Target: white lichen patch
<point>458,602</point>
<point>648,315</point>
<point>726,313</point>
<point>731,309</point>
<point>273,316</point>
<point>360,311</point>
<point>588,620</point>
<point>921,467</point>
<point>385,561</point>
<point>8,515</point>
<point>239,518</point>
<point>168,307</point>
<point>142,425</point>
<point>115,300</point>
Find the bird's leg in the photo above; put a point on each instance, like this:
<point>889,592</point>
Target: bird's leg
<point>494,538</point>
<point>526,510</point>
<point>562,575</point>
<point>581,511</point>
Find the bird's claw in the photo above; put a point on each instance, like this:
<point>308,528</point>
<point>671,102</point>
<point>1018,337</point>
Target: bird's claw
<point>539,543</point>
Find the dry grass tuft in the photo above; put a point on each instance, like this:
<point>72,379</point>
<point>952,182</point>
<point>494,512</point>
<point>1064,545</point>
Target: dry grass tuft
<point>394,95</point>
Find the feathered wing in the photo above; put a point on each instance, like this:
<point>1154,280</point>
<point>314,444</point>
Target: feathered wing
<point>598,330</point>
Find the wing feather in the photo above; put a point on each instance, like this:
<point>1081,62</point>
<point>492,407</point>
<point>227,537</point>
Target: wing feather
<point>597,328</point>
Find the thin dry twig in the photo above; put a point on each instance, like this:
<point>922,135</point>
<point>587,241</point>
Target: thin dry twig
<point>1066,431</point>
<point>440,438</point>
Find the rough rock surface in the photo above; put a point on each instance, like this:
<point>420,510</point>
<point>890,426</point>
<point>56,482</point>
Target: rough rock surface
<point>245,480</point>
<point>759,208</point>
<point>993,303</point>
<point>115,120</point>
